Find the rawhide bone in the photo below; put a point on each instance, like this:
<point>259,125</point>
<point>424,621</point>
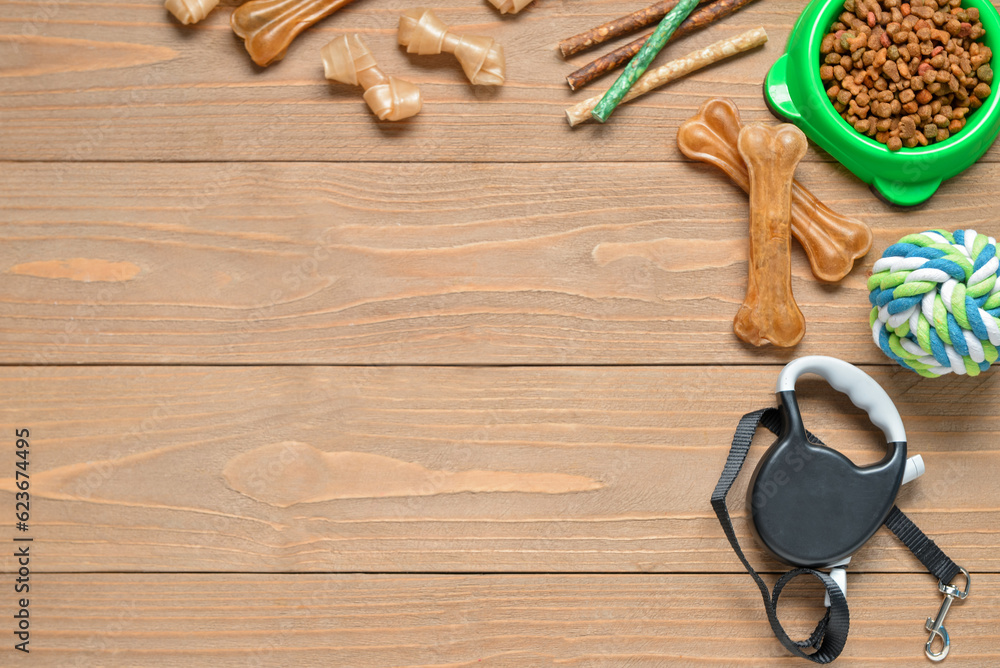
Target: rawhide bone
<point>769,312</point>
<point>831,241</point>
<point>423,33</point>
<point>269,26</point>
<point>347,59</point>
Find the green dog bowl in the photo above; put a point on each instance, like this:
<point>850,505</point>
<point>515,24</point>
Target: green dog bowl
<point>794,91</point>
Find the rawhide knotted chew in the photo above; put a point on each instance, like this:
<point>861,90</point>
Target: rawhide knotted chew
<point>936,302</point>
<point>190,11</point>
<point>347,59</point>
<point>423,33</point>
<point>510,6</point>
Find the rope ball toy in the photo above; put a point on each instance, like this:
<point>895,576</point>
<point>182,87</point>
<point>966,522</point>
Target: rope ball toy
<point>936,302</point>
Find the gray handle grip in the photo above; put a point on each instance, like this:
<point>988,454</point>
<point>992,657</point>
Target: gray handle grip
<point>861,388</point>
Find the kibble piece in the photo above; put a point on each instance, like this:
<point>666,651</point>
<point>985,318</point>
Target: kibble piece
<point>894,143</point>
<point>907,127</point>
<point>930,131</point>
<point>891,70</point>
<point>981,91</point>
<point>984,73</point>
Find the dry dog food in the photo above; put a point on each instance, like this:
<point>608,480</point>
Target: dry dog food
<point>906,73</point>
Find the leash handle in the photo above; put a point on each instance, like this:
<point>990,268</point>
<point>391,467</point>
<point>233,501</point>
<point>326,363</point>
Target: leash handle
<point>861,388</point>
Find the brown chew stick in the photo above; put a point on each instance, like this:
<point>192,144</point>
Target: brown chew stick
<point>769,313</point>
<point>614,29</point>
<point>423,33</point>
<point>702,17</point>
<point>269,26</point>
<point>831,241</point>
<point>347,59</point>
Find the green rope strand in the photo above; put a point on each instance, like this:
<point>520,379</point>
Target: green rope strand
<point>637,66</point>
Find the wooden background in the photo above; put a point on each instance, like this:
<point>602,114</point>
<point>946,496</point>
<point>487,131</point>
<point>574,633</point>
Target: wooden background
<point>309,389</point>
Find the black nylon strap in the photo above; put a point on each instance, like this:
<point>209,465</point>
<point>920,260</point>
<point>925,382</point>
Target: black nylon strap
<point>922,547</point>
<point>830,634</point>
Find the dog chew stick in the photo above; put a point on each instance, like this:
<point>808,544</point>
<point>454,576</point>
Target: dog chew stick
<point>614,29</point>
<point>611,61</point>
<point>637,66</point>
<point>675,69</point>
<point>269,26</point>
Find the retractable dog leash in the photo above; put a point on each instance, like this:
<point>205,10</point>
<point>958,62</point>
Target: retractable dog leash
<point>812,508</point>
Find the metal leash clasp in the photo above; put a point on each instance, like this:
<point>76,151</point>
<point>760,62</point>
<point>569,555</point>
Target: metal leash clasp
<point>936,625</point>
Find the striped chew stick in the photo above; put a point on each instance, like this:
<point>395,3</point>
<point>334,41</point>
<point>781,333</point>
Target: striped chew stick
<point>637,66</point>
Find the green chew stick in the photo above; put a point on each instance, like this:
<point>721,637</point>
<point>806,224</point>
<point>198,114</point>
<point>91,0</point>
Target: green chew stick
<point>637,66</point>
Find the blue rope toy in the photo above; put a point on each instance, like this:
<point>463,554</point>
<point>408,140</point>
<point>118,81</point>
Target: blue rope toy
<point>936,302</point>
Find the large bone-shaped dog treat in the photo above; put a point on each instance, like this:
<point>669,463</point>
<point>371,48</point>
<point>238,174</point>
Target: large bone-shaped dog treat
<point>347,59</point>
<point>423,33</point>
<point>769,312</point>
<point>269,26</point>
<point>831,241</point>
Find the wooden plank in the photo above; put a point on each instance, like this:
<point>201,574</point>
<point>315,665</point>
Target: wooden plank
<point>414,264</point>
<point>477,620</point>
<point>92,80</point>
<point>402,469</point>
